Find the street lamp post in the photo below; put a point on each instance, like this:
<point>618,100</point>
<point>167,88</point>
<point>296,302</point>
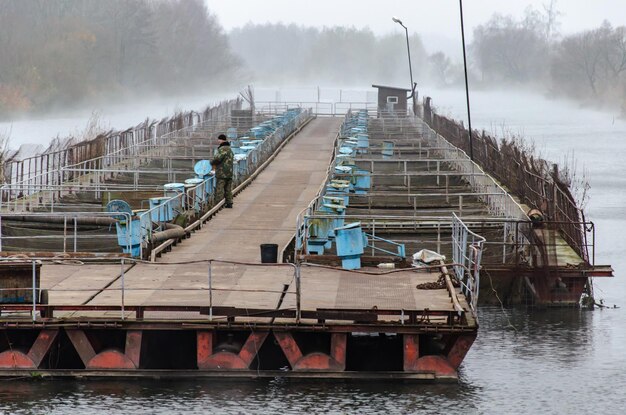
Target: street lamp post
<point>408,51</point>
<point>469,117</point>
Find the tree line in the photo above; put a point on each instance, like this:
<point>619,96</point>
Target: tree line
<point>64,53</point>
<point>69,53</point>
<point>343,56</point>
<point>588,66</point>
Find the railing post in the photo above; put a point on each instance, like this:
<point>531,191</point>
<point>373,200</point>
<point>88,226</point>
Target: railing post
<point>298,310</point>
<point>122,281</point>
<point>75,233</point>
<point>64,234</point>
<point>210,292</point>
<point>34,315</point>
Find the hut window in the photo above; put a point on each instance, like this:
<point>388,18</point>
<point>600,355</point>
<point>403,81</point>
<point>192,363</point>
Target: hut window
<point>392,100</point>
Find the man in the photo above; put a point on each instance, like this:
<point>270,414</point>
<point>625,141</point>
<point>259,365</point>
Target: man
<point>223,165</point>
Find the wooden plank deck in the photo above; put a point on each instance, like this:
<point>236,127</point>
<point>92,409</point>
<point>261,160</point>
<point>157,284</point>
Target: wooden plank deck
<point>264,212</point>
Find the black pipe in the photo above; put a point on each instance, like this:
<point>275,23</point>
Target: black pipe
<point>172,231</point>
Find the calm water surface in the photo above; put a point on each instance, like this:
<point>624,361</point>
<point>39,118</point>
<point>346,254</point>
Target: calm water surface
<point>552,362</point>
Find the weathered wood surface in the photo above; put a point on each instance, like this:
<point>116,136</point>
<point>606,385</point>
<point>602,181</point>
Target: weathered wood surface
<point>265,212</point>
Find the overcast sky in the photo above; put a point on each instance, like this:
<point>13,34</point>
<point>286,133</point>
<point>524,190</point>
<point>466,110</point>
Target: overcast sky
<point>436,20</point>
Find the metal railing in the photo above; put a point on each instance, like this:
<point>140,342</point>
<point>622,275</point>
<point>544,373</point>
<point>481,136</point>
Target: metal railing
<point>94,186</point>
<point>201,298</point>
<point>331,109</point>
<point>48,166</point>
<point>60,232</point>
<point>466,255</point>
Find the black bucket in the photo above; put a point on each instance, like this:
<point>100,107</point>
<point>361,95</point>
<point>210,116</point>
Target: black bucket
<point>269,253</point>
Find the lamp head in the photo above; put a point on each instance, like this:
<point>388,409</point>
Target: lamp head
<point>396,20</point>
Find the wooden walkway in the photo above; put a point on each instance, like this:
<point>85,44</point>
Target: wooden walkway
<point>264,212</point>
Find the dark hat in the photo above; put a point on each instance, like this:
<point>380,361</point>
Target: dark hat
<point>222,137</point>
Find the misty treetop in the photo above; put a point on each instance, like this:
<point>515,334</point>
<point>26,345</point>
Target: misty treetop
<point>346,56</point>
<point>60,53</point>
<point>588,66</point>
<point>70,53</point>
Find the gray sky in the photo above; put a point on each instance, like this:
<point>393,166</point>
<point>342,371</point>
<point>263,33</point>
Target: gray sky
<point>436,20</point>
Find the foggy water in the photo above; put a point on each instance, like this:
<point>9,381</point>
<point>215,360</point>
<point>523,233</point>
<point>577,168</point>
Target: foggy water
<point>554,362</point>
<point>40,131</point>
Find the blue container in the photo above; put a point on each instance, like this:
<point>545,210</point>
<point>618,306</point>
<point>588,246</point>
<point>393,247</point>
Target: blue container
<point>347,150</point>
<point>342,159</point>
<point>194,180</point>
<point>339,212</point>
<point>349,242</point>
<point>209,184</point>
<point>202,168</point>
<point>333,200</point>
<point>319,231</point>
<point>257,132</point>
<point>140,227</point>
<point>363,181</point>
<point>195,192</point>
<point>241,161</point>
<point>247,148</point>
<point>344,169</point>
<point>231,133</point>
<point>163,211</point>
<point>340,195</point>
<point>172,190</point>
<point>363,142</point>
<point>387,149</point>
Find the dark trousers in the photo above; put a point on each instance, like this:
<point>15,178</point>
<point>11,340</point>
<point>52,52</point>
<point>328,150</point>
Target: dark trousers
<point>224,189</point>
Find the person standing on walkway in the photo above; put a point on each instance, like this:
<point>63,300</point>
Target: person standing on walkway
<point>222,163</point>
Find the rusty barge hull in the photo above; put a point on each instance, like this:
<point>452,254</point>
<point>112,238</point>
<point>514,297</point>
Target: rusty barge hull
<point>209,309</point>
<point>367,349</point>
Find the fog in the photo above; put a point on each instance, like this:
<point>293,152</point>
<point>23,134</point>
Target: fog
<point>79,63</point>
<point>38,132</point>
<point>437,22</point>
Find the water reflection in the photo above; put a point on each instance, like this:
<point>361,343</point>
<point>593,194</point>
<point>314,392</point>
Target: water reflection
<point>287,396</point>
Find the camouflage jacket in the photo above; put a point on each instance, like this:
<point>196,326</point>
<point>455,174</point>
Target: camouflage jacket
<point>222,162</point>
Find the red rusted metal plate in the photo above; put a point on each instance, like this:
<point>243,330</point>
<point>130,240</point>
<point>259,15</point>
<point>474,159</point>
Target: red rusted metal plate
<point>338,343</point>
<point>459,349</point>
<point>42,345</point>
<point>223,360</point>
<point>133,346</point>
<point>251,347</point>
<point>110,359</point>
<point>436,364</point>
<point>318,361</point>
<point>82,345</point>
<point>289,347</point>
<point>411,352</point>
<point>13,359</point>
<point>315,361</point>
<point>226,360</point>
<point>204,347</point>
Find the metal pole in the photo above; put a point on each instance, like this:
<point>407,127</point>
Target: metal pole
<point>75,233</point>
<point>122,279</point>
<point>469,118</point>
<point>298,311</point>
<point>408,50</point>
<point>34,316</point>
<point>64,234</point>
<point>210,293</point>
